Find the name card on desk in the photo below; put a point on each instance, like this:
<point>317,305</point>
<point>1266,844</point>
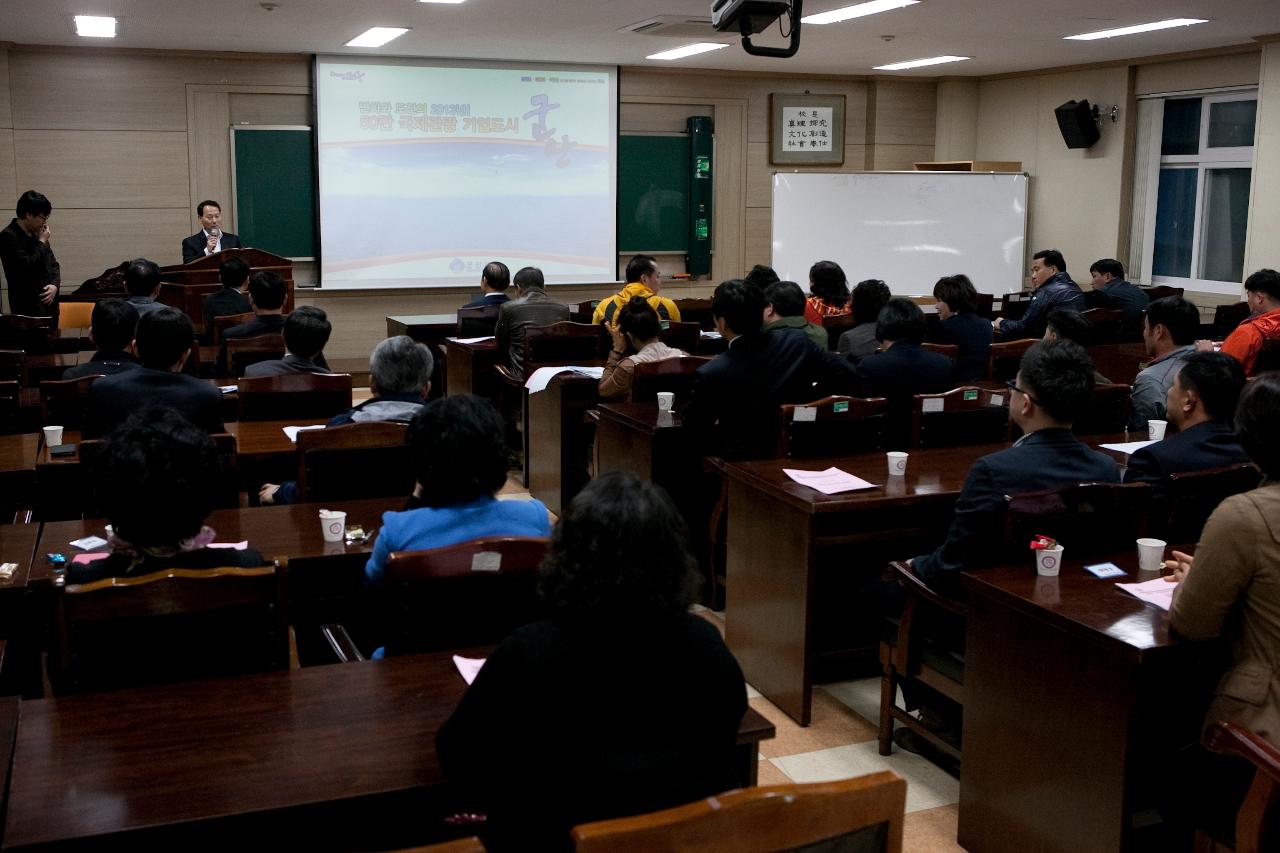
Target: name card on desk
<point>829,482</point>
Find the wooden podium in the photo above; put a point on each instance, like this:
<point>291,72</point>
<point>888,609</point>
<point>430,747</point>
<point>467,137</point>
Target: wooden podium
<point>184,286</point>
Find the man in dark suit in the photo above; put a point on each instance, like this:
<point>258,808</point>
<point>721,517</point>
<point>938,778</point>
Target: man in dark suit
<point>232,299</point>
<point>30,268</point>
<point>494,282</point>
<point>306,331</point>
<point>111,330</point>
<point>1115,292</point>
<point>1054,289</point>
<point>903,368</point>
<point>210,238</point>
<point>742,388</point>
<point>142,280</point>
<point>162,342</point>
<point>1201,403</point>
<point>531,307</point>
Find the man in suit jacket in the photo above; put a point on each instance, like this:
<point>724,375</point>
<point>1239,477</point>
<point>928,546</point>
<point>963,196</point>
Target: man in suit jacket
<point>531,307</point>
<point>1117,293</point>
<point>232,299</point>
<point>1054,289</point>
<point>210,238</point>
<point>494,282</point>
<point>903,368</point>
<point>306,331</point>
<point>142,280</point>
<point>30,268</point>
<point>784,309</point>
<point>113,324</point>
<point>1169,329</point>
<point>162,342</point>
<point>742,388</point>
<point>1201,404</point>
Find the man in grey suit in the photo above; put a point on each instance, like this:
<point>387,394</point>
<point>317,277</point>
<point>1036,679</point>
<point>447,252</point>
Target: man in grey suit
<point>531,307</point>
<point>306,332</point>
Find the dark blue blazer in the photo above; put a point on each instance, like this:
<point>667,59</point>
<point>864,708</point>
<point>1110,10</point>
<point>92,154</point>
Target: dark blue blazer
<point>1202,447</point>
<point>488,299</point>
<point>105,363</point>
<point>971,335</point>
<point>112,399</point>
<point>1130,300</point>
<point>898,374</point>
<point>193,246</point>
<point>1045,459</point>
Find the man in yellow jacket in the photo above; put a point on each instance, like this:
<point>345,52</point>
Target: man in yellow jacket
<point>642,280</point>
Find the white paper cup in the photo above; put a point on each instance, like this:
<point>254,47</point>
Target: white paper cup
<point>333,524</point>
<point>666,399</point>
<point>52,436</point>
<point>897,463</point>
<point>1048,562</point>
<point>1151,554</point>
<point>1155,429</point>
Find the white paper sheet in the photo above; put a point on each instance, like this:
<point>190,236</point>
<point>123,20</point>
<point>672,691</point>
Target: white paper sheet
<point>541,378</point>
<point>710,336</point>
<point>292,431</point>
<point>242,545</point>
<point>228,389</point>
<point>830,481</point>
<point>1127,447</point>
<point>469,668</point>
<point>594,372</point>
<point>471,340</point>
<point>1158,591</point>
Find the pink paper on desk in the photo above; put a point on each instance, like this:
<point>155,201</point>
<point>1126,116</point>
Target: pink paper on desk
<point>469,667</point>
<point>98,555</point>
<point>830,481</point>
<point>1158,592</point>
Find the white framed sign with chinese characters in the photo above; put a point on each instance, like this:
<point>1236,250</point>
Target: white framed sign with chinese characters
<point>806,129</point>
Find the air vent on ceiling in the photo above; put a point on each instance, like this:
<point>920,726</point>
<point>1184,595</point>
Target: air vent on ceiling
<point>678,26</point>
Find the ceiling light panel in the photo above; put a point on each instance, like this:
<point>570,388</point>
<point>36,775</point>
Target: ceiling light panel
<point>687,50</point>
<point>861,10</point>
<point>95,26</point>
<point>1138,28</point>
<point>377,36</point>
<point>921,63</point>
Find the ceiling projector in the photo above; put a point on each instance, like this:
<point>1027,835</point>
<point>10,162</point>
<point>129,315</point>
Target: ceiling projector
<point>746,16</point>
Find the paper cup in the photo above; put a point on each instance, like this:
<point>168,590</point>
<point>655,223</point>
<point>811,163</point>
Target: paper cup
<point>1151,554</point>
<point>1048,561</point>
<point>333,524</point>
<point>666,399</point>
<point>897,463</point>
<point>52,436</point>
<point>1155,429</point>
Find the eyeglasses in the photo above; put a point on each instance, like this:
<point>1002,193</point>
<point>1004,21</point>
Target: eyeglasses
<point>1012,385</point>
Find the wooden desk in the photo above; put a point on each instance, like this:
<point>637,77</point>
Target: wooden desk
<point>430,329</point>
<point>469,367</point>
<point>18,464</point>
<point>336,757</point>
<point>45,367</point>
<point>558,439</point>
<point>1074,695</point>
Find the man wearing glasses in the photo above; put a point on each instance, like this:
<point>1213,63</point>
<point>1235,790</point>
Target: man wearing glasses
<point>30,268</point>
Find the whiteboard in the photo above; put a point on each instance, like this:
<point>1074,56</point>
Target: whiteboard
<point>907,228</point>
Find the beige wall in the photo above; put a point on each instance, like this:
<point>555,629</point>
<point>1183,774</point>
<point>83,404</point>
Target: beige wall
<point>1263,248</point>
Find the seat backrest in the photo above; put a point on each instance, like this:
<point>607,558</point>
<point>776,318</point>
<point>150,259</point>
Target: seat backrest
<point>832,426</point>
<point>1258,821</point>
<point>681,336</point>
<point>169,625</point>
<point>477,322</point>
<point>836,325</point>
<point>1107,412</point>
<point>697,311</point>
<point>985,307</point>
<point>951,351</point>
<point>864,813</point>
<point>242,352</point>
<point>470,594</point>
<point>1268,357</point>
<point>75,315</point>
<point>32,335</point>
<point>10,406</point>
<point>226,487</point>
<point>304,396</point>
<point>1189,498</point>
<point>226,321</point>
<point>965,415</point>
<point>1104,325</point>
<point>353,461</point>
<point>1160,291</point>
<point>676,375</point>
<point>1003,359</point>
<point>562,343</point>
<point>1087,518</point>
<point>11,364</point>
<point>63,401</point>
<point>1227,317</point>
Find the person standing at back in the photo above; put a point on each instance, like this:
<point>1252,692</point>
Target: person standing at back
<point>1054,289</point>
<point>642,280</point>
<point>960,326</point>
<point>31,270</point>
<point>531,307</point>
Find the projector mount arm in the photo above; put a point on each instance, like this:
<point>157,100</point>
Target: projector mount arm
<point>744,25</point>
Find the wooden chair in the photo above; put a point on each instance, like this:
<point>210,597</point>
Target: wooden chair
<point>1268,357</point>
<point>32,335</point>
<point>1105,325</point>
<point>477,322</point>
<point>836,326</point>
<point>863,813</point>
<point>63,401</point>
<point>301,396</point>
<point>832,426</point>
<point>965,415</point>
<point>582,312</point>
<point>226,321</point>
<point>225,491</point>
<point>1227,317</point>
<point>242,352</point>
<point>697,311</point>
<point>986,306</point>
<point>1258,821</point>
<point>1107,412</point>
<point>1004,358</point>
<point>12,366</point>
<point>1160,291</point>
<point>681,336</point>
<point>75,315</point>
<point>951,351</point>
<point>10,407</point>
<point>1188,499</point>
<point>354,461</point>
<point>470,594</point>
<point>677,375</point>
<point>169,625</point>
<point>460,845</point>
<point>1088,519</point>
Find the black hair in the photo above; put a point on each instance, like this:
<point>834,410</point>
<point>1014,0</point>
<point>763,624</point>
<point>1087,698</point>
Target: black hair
<point>958,292</point>
<point>761,276</point>
<point>1059,375</point>
<point>1217,379</point>
<point>640,265</point>
<point>306,331</point>
<point>113,322</point>
<point>1176,314</point>
<point>529,278</point>
<point>268,291</point>
<point>155,475</point>
<point>900,320</point>
<point>141,277</point>
<point>202,205</point>
<point>496,275</point>
<point>621,548</point>
<point>459,450</point>
<point>786,297</point>
<point>163,335</point>
<point>1108,265</point>
<point>1069,326</point>
<point>827,282</point>
<point>1052,258</point>
<point>639,318</point>
<point>32,202</point>
<point>232,272</point>
<point>740,305</point>
<point>1258,422</point>
<point>1264,281</point>
<point>869,299</point>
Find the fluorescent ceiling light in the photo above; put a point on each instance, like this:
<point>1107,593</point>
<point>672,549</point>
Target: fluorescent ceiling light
<point>377,36</point>
<point>1138,28</point>
<point>920,63</point>
<point>687,50</point>
<point>95,27</point>
<point>835,16</point>
<point>440,1</point>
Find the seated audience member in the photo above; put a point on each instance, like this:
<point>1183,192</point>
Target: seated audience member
<point>830,291</point>
<point>142,280</point>
<point>784,309</point>
<point>637,327</point>
<point>494,282</point>
<point>1262,292</point>
<point>1065,325</point>
<point>1118,294</point>
<point>1054,384</point>
<point>642,280</point>
<point>903,368</point>
<point>267,293</point>
<point>531,307</point>
<point>1169,329</point>
<point>306,331</point>
<point>761,276</point>
<point>617,586</point>
<point>460,463</point>
<point>232,299</point>
<point>162,343</point>
<point>1053,289</point>
<point>1232,589</point>
<point>1201,404</point>
<point>154,477</point>
<point>869,299</point>
<point>111,330</point>
<point>743,387</point>
<point>959,325</point>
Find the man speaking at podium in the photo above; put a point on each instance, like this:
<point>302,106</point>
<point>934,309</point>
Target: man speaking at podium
<point>210,238</point>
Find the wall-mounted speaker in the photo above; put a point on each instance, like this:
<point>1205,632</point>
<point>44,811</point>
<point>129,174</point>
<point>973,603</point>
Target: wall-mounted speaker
<point>1075,120</point>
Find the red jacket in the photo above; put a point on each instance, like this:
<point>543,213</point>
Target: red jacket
<point>1246,341</point>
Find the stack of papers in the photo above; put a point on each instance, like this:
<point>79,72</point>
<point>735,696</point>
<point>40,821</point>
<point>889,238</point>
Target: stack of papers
<point>1158,592</point>
<point>293,431</point>
<point>830,481</point>
<point>1127,447</point>
<point>471,340</point>
<point>541,378</point>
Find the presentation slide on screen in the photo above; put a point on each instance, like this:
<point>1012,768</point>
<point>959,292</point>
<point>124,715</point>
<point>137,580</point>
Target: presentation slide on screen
<point>429,171</point>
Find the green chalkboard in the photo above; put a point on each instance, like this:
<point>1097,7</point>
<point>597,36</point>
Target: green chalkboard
<point>274,179</point>
<point>653,194</point>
